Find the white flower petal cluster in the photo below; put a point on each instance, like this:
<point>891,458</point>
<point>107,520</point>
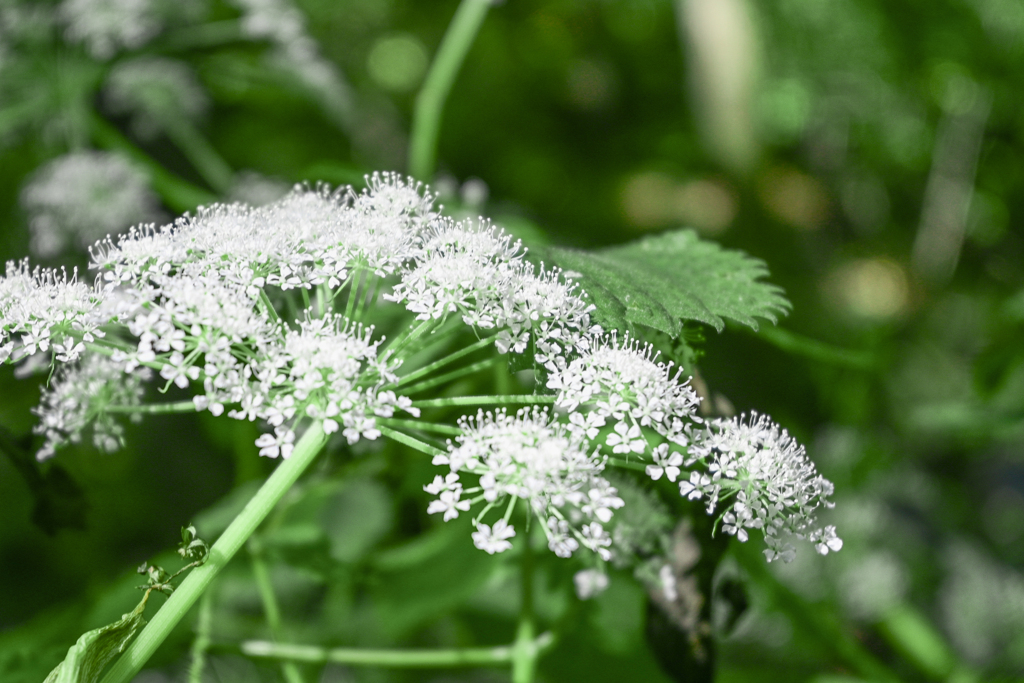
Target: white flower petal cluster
<point>108,26</point>
<point>775,487</point>
<point>533,458</point>
<point>312,236</point>
<point>623,384</point>
<point>82,197</point>
<point>78,396</point>
<point>474,270</point>
<point>43,310</point>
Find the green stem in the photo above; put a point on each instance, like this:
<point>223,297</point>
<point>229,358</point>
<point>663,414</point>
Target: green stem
<point>426,124</point>
<point>270,609</point>
<point>450,358</point>
<point>202,155</point>
<point>466,656</point>
<point>798,344</point>
<point>524,652</point>
<point>154,408</point>
<point>421,425</point>
<point>240,529</point>
<point>409,441</point>
<point>176,193</point>
<point>522,399</point>
<point>626,464</point>
<point>449,376</point>
<point>202,641</point>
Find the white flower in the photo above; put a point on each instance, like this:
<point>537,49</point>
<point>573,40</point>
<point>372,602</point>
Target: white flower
<point>493,539</point>
<point>669,587</point>
<point>281,442</point>
<point>449,503</point>
<point>627,439</point>
<point>82,197</point>
<point>665,464</point>
<point>590,582</point>
<point>775,485</point>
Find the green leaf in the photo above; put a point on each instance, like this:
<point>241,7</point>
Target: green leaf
<point>661,281</point>
<point>88,657</point>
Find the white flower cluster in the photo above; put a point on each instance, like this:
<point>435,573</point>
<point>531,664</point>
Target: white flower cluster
<point>77,397</point>
<point>44,310</point>
<point>82,197</point>
<point>775,485</point>
<point>308,238</point>
<point>107,26</point>
<point>476,271</point>
<point>623,384</point>
<point>244,302</point>
<point>533,458</point>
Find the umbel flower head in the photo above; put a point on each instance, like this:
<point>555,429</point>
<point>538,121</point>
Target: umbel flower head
<point>272,314</point>
<point>773,485</point>
<point>528,457</point>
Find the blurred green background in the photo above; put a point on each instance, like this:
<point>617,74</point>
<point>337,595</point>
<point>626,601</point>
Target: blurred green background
<point>872,153</point>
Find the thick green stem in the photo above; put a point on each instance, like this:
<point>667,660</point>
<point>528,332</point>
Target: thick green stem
<point>243,526</point>
<point>396,659</point>
<point>524,650</point>
<point>270,609</point>
<point>426,124</point>
<point>522,399</point>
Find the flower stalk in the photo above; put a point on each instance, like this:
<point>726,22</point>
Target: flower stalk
<point>426,124</point>
<point>391,658</point>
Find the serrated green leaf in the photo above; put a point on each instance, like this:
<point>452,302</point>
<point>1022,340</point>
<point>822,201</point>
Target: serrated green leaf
<point>95,649</point>
<point>661,281</point>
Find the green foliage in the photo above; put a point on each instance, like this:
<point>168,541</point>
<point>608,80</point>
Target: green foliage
<point>88,657</point>
<point>662,281</point>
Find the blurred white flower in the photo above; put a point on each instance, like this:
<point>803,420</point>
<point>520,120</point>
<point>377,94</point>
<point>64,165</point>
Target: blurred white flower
<point>82,197</point>
<point>590,582</point>
<point>154,91</point>
<point>108,26</point>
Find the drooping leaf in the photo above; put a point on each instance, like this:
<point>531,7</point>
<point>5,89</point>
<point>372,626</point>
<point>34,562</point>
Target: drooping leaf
<point>661,281</point>
<point>87,658</point>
